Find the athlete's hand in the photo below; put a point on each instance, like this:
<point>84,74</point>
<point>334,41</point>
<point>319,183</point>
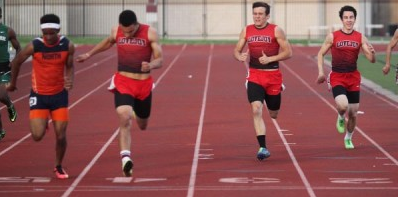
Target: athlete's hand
<point>264,59</point>
<point>145,67</point>
<point>243,56</point>
<point>82,57</point>
<point>371,49</point>
<point>68,84</point>
<point>386,69</point>
<point>321,78</point>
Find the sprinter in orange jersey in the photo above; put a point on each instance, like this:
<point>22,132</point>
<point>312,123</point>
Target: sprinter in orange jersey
<point>52,78</point>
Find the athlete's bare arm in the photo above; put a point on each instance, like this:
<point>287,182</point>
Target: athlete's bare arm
<point>285,48</point>
<point>327,44</point>
<point>14,41</point>
<point>157,54</point>
<point>16,65</point>
<point>104,45</point>
<point>239,47</point>
<point>368,50</point>
<point>390,46</point>
<point>69,68</point>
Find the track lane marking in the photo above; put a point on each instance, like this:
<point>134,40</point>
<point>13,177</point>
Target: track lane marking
<point>192,178</point>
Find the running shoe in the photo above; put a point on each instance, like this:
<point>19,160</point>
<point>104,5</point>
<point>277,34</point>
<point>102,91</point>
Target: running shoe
<point>2,134</point>
<point>263,153</point>
<point>348,144</point>
<point>127,167</point>
<point>12,113</point>
<point>60,173</point>
<point>340,124</point>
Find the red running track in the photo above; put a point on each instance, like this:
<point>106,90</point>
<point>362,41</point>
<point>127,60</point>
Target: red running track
<point>201,141</point>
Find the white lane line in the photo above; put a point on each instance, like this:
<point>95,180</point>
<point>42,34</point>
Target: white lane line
<point>192,178</point>
<point>90,165</point>
<point>98,155</point>
<point>294,160</point>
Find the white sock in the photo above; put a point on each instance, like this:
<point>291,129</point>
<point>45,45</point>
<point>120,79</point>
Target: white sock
<point>341,116</point>
<point>348,135</point>
<point>125,153</point>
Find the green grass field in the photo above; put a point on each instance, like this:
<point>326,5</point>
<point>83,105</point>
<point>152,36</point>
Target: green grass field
<point>374,73</point>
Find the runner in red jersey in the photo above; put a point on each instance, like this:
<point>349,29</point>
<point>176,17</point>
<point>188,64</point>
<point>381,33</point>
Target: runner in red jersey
<point>138,53</point>
<point>52,78</point>
<point>345,79</point>
<point>267,45</point>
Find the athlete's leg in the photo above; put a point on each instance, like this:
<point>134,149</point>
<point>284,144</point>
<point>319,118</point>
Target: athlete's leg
<point>257,112</point>
<point>273,104</point>
<point>142,110</point>
<point>341,104</point>
<point>4,98</point>
<point>125,114</point>
<point>60,121</point>
<point>352,117</point>
<point>60,140</point>
<point>38,123</point>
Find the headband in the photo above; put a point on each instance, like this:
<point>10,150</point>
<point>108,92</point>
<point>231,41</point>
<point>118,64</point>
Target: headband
<point>50,26</point>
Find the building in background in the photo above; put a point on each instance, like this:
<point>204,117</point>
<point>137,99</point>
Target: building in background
<point>200,19</point>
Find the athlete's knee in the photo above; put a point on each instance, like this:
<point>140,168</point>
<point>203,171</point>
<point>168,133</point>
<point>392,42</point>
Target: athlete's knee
<point>273,114</point>
<point>257,108</point>
<point>142,123</point>
<point>37,136</point>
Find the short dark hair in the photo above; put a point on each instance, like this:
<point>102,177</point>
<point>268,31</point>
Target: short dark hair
<point>127,18</point>
<point>49,18</point>
<point>347,8</point>
<point>262,4</point>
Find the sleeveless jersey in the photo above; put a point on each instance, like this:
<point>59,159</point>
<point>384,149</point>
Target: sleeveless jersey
<point>345,51</point>
<point>48,66</point>
<point>4,39</point>
<point>133,51</point>
<point>260,40</point>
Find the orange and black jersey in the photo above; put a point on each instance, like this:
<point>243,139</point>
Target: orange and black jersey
<point>49,63</point>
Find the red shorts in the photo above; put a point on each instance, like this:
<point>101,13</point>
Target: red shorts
<point>138,89</point>
<point>271,81</point>
<point>350,81</point>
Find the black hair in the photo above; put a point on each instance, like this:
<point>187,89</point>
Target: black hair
<point>49,18</point>
<point>127,18</point>
<point>347,8</point>
<point>262,4</point>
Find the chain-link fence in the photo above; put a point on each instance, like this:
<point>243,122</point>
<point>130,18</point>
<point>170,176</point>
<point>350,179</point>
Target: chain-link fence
<point>211,19</point>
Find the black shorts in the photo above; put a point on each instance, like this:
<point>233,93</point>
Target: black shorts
<point>352,96</point>
<point>256,92</point>
<point>142,108</point>
<point>51,102</point>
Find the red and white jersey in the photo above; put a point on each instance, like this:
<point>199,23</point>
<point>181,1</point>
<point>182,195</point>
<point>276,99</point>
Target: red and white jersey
<point>345,51</point>
<point>133,51</point>
<point>259,41</point>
